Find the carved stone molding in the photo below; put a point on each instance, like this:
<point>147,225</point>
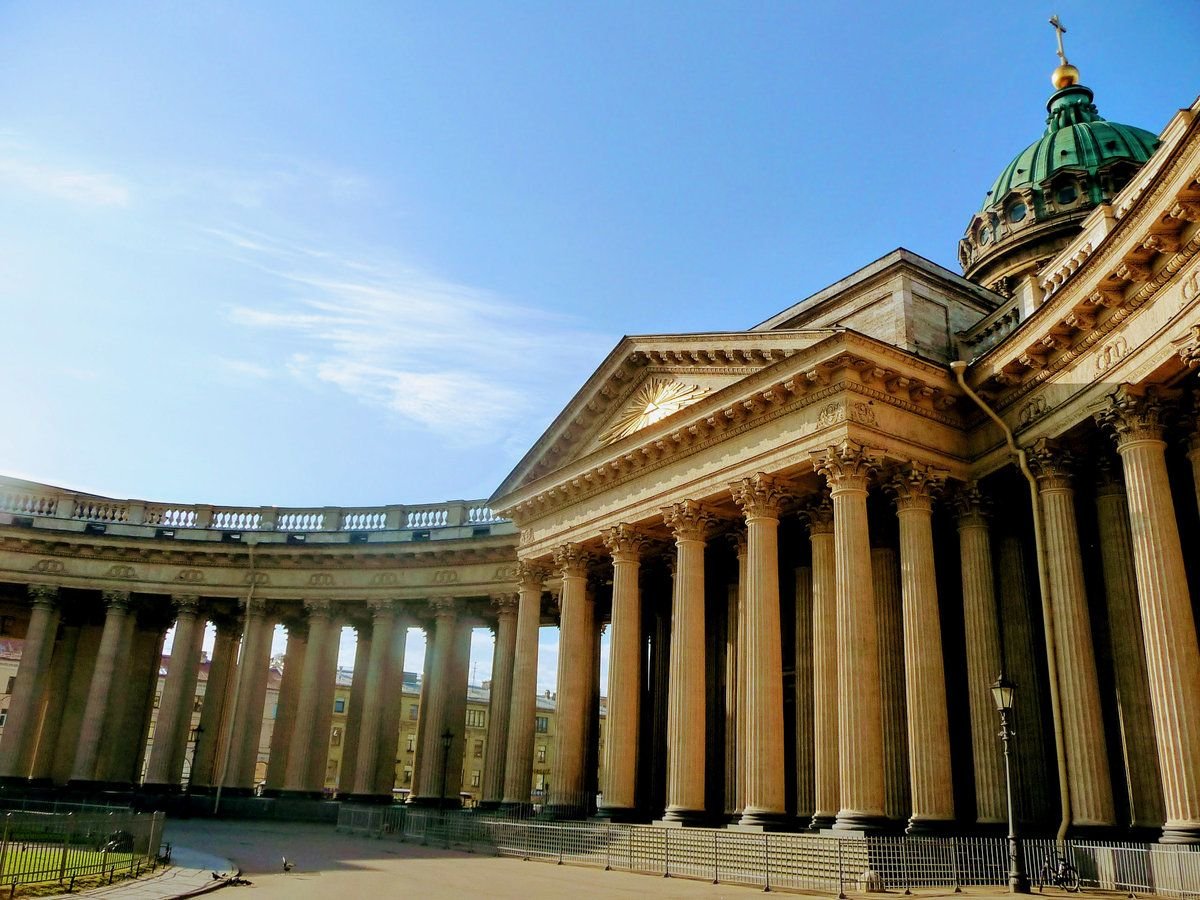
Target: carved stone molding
<point>1137,413</point>
<point>505,604</point>
<point>1051,464</point>
<point>916,485</point>
<point>572,560</point>
<point>760,496</point>
<point>443,608</point>
<point>624,542</point>
<point>1188,347</point>
<point>531,574</point>
<point>319,608</point>
<point>847,466</point>
<point>43,594</point>
<point>818,514</point>
<point>688,520</point>
<point>186,604</point>
<point>972,506</point>
<point>116,599</point>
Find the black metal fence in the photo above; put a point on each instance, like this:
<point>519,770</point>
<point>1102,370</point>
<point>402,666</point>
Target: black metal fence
<point>802,862</point>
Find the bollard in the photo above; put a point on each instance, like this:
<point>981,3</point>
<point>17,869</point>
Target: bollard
<point>766,864</point>
<point>841,879</point>
<point>608,847</point>
<point>716,878</point>
<point>954,854</point>
<point>666,853</point>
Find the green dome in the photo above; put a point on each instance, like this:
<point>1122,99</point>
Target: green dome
<point>1076,139</point>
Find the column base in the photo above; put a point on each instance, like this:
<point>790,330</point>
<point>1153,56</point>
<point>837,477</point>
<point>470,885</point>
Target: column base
<point>921,826</point>
<point>367,799</point>
<point>622,814</point>
<point>674,816</point>
<point>851,820</point>
<point>761,820</point>
<point>435,802</point>
<point>516,809</point>
<point>1180,833</point>
<point>821,822</point>
<point>563,811</point>
<point>160,789</point>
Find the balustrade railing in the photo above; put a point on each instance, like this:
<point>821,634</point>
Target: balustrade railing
<point>24,498</point>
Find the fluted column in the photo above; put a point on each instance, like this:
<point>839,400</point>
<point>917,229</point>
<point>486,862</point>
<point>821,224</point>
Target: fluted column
<point>26,704</point>
<point>355,726</point>
<point>289,700</point>
<point>804,699</point>
<point>249,697</point>
<point>624,673</point>
<point>925,676</point>
<point>1142,776</point>
<point>686,720</point>
<point>500,704</point>
<point>574,646</point>
<point>518,763</point>
<point>1168,626</point>
<point>388,724</point>
<point>216,712</point>
<point>101,696</point>
<point>434,702</point>
<point>735,716</point>
<point>175,704</point>
<point>383,628</point>
<point>848,468</point>
<point>819,519</point>
<point>760,498</point>
<point>298,775</point>
<point>889,618</point>
<point>981,629</point>
<point>1083,724</point>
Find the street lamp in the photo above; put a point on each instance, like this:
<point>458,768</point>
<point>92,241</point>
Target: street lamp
<point>447,739</point>
<point>1018,882</point>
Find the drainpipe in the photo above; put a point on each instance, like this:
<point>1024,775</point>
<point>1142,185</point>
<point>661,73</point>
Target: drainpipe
<point>237,688</point>
<point>959,367</point>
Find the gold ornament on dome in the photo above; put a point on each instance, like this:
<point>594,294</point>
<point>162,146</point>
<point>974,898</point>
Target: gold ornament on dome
<point>653,401</point>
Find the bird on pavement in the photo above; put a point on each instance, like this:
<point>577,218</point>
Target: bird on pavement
<point>288,865</point>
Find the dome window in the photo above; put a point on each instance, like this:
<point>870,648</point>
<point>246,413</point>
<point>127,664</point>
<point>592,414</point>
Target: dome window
<point>1016,212</point>
<point>1066,194</point>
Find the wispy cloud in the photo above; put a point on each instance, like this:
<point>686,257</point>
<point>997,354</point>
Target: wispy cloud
<point>450,358</point>
<point>77,185</point>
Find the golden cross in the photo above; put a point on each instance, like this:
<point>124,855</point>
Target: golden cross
<point>1059,31</point>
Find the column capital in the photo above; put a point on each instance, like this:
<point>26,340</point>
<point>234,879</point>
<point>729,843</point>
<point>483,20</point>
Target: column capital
<point>381,608</point>
<point>689,520</point>
<point>761,496</point>
<point>443,608</point>
<point>972,506</point>
<point>116,600</point>
<point>915,486</point>
<point>1108,477</point>
<point>1137,413</point>
<point>1189,347</point>
<point>43,595</point>
<point>186,604</point>
<point>1051,464</point>
<point>737,540</point>
<point>505,604</point>
<point>531,574</point>
<point>818,514</point>
<point>847,466</point>
<point>319,609</point>
<point>624,542</point>
<point>572,560</point>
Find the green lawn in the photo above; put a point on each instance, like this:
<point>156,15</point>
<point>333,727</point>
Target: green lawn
<point>41,862</point>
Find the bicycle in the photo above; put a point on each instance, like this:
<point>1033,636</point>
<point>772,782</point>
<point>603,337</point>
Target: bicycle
<point>1057,872</point>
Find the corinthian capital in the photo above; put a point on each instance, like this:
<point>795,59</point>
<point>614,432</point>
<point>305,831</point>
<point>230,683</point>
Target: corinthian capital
<point>318,609</point>
<point>530,574</point>
<point>504,604</point>
<point>1137,413</point>
<point>45,595</point>
<point>971,505</point>
<point>624,542</point>
<point>847,466</point>
<point>759,496</point>
<point>1188,347</point>
<point>186,604</point>
<point>1051,464</point>
<point>688,520</point>
<point>915,486</point>
<point>818,514</point>
<point>572,560</point>
<point>443,608</point>
<point>116,600</point>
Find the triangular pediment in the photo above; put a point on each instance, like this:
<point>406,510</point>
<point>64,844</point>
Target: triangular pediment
<point>650,381</point>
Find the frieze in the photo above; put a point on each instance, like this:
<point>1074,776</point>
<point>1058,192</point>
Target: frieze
<point>445,576</point>
<point>504,573</point>
<point>190,576</point>
<point>1189,289</point>
<point>384,579</point>
<point>120,571</point>
<point>1033,410</point>
<point>49,567</point>
<point>1111,354</point>
<point>257,578</point>
<point>320,579</point>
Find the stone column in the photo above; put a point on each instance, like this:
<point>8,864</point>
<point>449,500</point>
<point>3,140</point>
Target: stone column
<point>624,674</point>
<point>889,618</point>
<point>354,711</point>
<point>574,656</point>
<point>500,702</point>
<point>101,695</point>
<point>981,628</point>
<point>179,689</point>
<point>1083,725</point>
<point>249,698</point>
<point>827,797</point>
<point>925,681</point>
<point>216,711</point>
<point>420,766</point>
<point>690,523</point>
<point>308,741</point>
<point>26,704</point>
<point>289,700</point>
<point>456,676</point>
<point>393,704</point>
<point>735,673</point>
<point>805,751</point>
<point>765,802</point>
<point>518,763</point>
<point>1142,776</point>
<point>434,701</point>
<point>366,767</point>
<point>1168,626</point>
<point>848,468</point>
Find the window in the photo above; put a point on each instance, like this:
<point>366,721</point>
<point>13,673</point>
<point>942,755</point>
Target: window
<point>339,705</point>
<point>412,712</point>
<point>475,718</point>
<point>411,741</point>
<point>541,753</point>
<point>1016,212</point>
<point>475,778</point>
<point>335,739</point>
<point>541,724</point>
<point>3,717</point>
<point>539,782</point>
<point>13,678</point>
<point>407,775</point>
<point>1067,194</point>
<point>479,749</point>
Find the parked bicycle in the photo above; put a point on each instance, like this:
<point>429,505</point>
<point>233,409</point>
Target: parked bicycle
<point>1057,872</point>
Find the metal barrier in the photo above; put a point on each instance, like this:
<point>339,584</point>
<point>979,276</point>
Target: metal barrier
<point>827,864</point>
<point>38,846</point>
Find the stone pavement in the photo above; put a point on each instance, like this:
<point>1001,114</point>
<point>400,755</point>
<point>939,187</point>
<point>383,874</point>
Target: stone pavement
<point>189,875</point>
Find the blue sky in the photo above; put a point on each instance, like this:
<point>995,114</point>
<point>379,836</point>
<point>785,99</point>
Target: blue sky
<point>310,253</point>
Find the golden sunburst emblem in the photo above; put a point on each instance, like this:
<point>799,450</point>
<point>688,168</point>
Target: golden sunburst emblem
<point>654,400</point>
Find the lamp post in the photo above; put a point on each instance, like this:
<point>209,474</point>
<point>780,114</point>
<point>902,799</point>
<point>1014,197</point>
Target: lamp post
<point>1018,881</point>
<point>447,739</point>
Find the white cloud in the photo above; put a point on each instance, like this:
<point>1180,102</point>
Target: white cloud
<point>73,184</point>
